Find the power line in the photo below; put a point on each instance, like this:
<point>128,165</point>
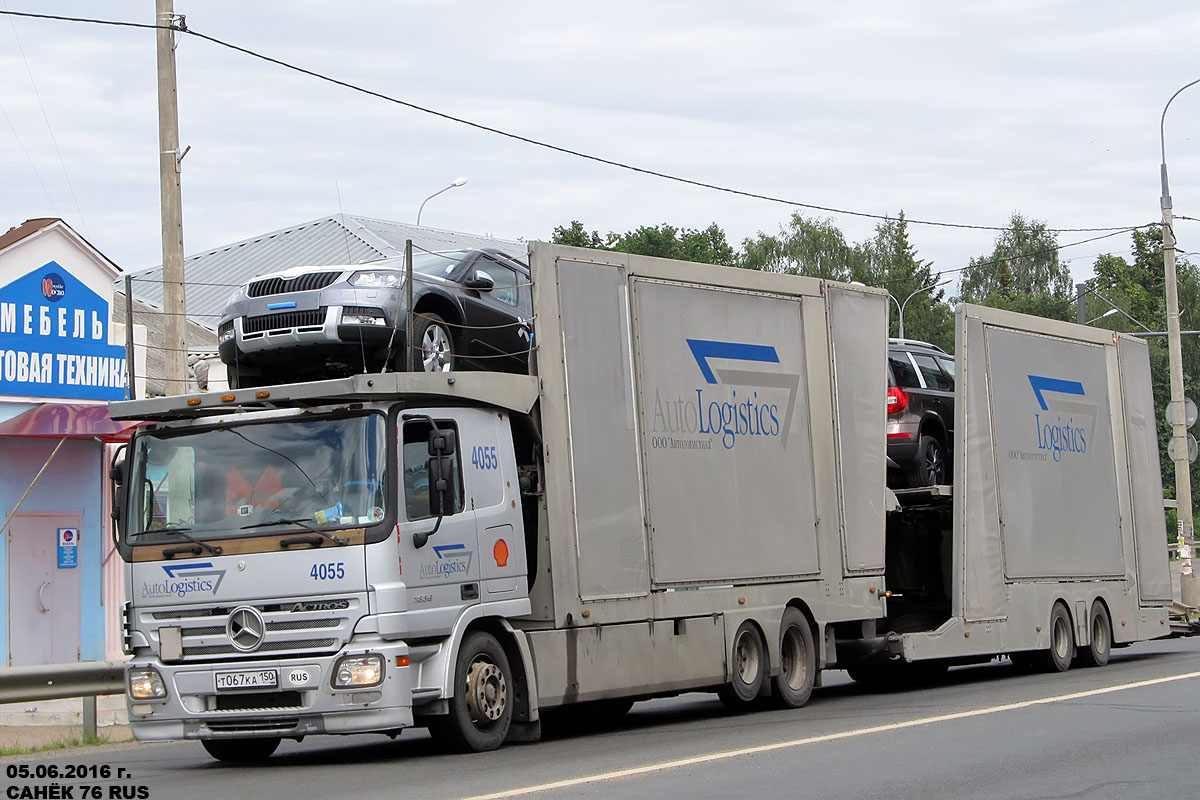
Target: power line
<point>528,140</point>
<point>29,158</point>
<point>46,118</point>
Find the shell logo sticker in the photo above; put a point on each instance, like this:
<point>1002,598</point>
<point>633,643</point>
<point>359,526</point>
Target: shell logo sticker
<point>500,553</point>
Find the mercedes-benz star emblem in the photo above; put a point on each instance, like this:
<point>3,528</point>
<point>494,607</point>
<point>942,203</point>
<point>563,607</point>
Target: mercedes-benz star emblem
<point>246,628</point>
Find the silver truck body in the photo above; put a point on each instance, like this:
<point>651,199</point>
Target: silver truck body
<point>700,453</point>
<point>1058,494</point>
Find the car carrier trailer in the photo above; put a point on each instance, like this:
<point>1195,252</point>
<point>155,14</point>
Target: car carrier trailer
<point>688,493</point>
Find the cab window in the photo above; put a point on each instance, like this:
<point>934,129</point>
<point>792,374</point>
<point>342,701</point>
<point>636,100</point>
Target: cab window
<point>416,470</point>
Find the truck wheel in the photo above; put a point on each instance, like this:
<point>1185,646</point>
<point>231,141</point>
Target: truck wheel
<point>437,345</point>
<point>1100,648</point>
<point>930,467</point>
<point>749,668</point>
<point>797,662</point>
<point>482,707</point>
<point>1062,642</point>
<point>241,751</point>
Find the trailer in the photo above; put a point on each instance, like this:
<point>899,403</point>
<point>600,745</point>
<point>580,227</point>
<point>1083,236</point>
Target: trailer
<point>1051,547</point>
<point>686,493</point>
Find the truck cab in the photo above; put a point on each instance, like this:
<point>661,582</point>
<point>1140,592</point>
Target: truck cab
<point>301,568</point>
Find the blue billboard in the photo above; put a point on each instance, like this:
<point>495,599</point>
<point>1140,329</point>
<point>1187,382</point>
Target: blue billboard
<point>54,339</point>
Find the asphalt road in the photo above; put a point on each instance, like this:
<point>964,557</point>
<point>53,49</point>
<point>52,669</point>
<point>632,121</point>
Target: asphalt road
<point>1128,730</point>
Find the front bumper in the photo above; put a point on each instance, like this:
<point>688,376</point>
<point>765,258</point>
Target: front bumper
<point>195,709</point>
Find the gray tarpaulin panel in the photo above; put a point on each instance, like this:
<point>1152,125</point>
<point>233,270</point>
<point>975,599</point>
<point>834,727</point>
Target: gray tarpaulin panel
<point>728,452</point>
<point>604,448</point>
<point>1055,462</point>
<point>977,518</point>
<point>1145,477</point>
<point>858,323</point>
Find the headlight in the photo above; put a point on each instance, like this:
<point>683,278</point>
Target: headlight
<point>377,280</point>
<point>225,335</point>
<point>146,684</point>
<point>363,318</point>
<point>357,671</point>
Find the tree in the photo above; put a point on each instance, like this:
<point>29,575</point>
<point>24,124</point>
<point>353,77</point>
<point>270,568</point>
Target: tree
<point>576,236</point>
<point>705,245</point>
<point>1138,288</point>
<point>816,248</point>
<point>1022,273</point>
<point>891,262</point>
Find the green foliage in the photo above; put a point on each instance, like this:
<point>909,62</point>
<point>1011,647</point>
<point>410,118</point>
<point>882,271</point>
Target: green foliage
<point>816,248</point>
<point>1139,288</point>
<point>1022,273</point>
<point>891,262</point>
<point>704,245</point>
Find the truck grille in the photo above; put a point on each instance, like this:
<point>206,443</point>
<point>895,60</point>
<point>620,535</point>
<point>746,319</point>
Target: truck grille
<point>301,283</point>
<point>288,631</point>
<point>257,701</point>
<point>284,319</point>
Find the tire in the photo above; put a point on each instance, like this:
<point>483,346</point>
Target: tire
<point>930,467</point>
<point>481,709</point>
<point>436,342</point>
<point>1061,653</point>
<point>792,687</point>
<point>1098,650</point>
<point>748,668</point>
<point>241,751</point>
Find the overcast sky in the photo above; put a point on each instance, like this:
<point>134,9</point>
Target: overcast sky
<point>951,111</point>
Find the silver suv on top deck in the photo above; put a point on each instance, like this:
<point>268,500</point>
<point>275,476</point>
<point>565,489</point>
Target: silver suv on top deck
<point>472,307</point>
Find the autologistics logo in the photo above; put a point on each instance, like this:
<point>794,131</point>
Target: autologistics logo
<point>722,413</point>
<point>1064,426</point>
<point>185,579</point>
<point>53,287</point>
<point>453,560</point>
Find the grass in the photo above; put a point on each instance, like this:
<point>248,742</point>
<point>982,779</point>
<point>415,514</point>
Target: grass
<point>60,744</point>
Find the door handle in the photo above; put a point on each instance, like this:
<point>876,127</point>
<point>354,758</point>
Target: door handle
<point>41,593</point>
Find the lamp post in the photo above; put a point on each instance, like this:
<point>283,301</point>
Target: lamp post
<point>901,306</point>
<point>1183,478</point>
<point>455,183</point>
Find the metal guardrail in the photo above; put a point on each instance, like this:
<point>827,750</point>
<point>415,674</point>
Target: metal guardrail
<point>85,679</point>
<point>56,681</point>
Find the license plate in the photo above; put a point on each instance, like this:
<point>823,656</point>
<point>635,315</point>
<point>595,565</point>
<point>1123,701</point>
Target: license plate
<point>249,679</point>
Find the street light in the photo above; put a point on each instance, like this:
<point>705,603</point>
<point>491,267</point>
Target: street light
<point>901,306</point>
<point>457,182</point>
<point>1189,593</point>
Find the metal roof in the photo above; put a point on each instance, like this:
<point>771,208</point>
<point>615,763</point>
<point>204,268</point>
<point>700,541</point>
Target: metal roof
<point>212,276</point>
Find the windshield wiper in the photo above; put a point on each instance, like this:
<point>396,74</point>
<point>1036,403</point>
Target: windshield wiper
<point>215,549</point>
<point>303,523</point>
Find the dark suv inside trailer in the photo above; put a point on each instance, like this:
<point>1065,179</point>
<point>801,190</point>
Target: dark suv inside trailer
<point>920,414</point>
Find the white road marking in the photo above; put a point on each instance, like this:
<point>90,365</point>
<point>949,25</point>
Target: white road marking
<point>706,758</point>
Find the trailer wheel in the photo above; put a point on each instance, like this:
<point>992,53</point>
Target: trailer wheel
<point>749,668</point>
<point>1100,648</point>
<point>1062,641</point>
<point>797,662</point>
<point>241,751</point>
<point>482,707</point>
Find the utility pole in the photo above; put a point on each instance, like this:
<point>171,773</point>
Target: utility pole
<point>1183,477</point>
<point>174,302</point>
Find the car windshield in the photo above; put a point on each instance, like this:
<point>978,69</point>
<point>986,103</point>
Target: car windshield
<point>439,264</point>
<point>242,480</point>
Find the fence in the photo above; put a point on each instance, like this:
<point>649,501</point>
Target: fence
<point>86,679</point>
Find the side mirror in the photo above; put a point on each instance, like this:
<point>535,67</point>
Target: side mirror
<point>441,473</point>
<point>480,281</point>
<point>442,442</point>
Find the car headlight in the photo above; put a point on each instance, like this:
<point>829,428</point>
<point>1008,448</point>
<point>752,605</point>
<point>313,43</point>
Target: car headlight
<point>357,671</point>
<point>146,684</point>
<point>362,316</point>
<point>225,334</point>
<point>377,279</point>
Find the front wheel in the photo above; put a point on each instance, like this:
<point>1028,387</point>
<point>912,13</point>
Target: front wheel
<point>241,751</point>
<point>481,709</point>
<point>749,668</point>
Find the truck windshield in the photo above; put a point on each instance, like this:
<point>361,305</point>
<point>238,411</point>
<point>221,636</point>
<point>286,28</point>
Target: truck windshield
<point>239,480</point>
